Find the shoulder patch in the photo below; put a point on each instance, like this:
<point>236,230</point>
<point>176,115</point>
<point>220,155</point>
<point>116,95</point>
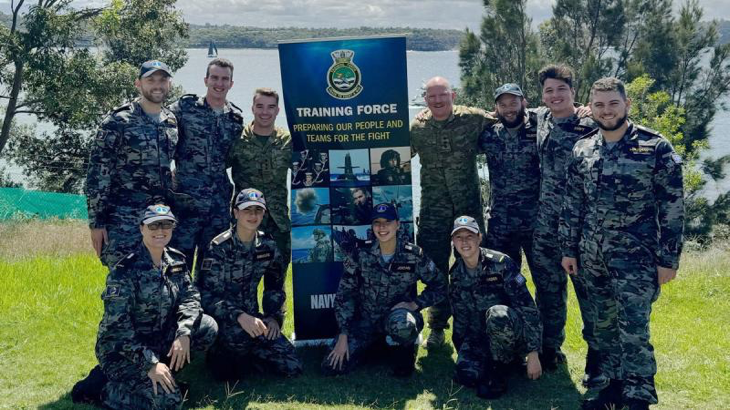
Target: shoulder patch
<point>413,249</point>
<point>123,107</point>
<point>646,130</point>
<point>206,264</point>
<point>676,158</point>
<point>222,237</point>
<point>519,279</point>
<point>112,291</point>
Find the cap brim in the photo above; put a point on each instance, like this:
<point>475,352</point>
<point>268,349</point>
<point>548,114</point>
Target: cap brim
<point>383,217</point>
<point>468,228</point>
<point>154,70</point>
<point>244,205</point>
<point>515,93</point>
<point>159,218</point>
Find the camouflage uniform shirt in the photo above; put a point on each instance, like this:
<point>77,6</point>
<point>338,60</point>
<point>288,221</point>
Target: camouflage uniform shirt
<point>370,287</point>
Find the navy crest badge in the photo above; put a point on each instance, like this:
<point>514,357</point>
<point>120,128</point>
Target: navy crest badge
<point>343,76</point>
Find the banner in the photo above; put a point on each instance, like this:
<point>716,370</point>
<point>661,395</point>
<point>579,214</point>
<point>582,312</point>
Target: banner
<point>346,103</point>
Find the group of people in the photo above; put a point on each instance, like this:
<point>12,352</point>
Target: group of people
<point>592,197</point>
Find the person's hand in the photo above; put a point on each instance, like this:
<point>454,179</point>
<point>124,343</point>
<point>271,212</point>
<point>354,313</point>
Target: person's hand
<point>534,368</point>
<point>160,374</point>
<point>179,353</point>
<point>98,239</point>
<point>570,265</point>
<point>665,274</point>
<point>339,354</point>
<point>583,111</point>
<point>412,306</point>
<point>423,115</point>
<point>274,331</point>
<point>254,326</point>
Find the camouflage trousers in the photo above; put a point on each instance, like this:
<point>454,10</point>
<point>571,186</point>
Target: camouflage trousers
<point>504,342</point>
<point>368,342</point>
<point>275,356</point>
<point>129,387</point>
<point>621,275</point>
<point>124,236</point>
<point>281,237</point>
<point>197,225</point>
<point>551,290</point>
<point>434,237</point>
<point>510,236</point>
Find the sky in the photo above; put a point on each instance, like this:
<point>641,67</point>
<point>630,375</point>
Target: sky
<point>445,14</point>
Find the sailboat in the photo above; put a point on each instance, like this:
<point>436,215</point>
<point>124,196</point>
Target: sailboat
<point>212,50</point>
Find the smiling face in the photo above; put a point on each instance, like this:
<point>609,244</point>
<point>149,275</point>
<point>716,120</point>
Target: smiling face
<point>218,81</point>
<point>558,96</point>
<point>385,230</point>
<point>609,109</point>
<point>466,243</point>
<point>510,110</point>
<point>439,98</point>
<point>249,218</point>
<point>157,238</point>
<point>265,109</point>
<point>155,87</point>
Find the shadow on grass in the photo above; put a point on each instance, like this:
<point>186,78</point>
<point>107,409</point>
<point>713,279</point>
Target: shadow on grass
<point>370,385</point>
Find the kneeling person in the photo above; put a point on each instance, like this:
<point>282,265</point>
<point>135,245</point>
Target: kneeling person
<point>496,321</point>
<point>152,318</point>
<point>229,278</point>
<point>376,302</point>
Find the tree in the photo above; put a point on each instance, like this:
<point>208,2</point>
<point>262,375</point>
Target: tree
<point>506,51</point>
<point>71,87</point>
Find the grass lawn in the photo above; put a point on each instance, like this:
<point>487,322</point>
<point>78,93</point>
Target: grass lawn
<point>50,309</point>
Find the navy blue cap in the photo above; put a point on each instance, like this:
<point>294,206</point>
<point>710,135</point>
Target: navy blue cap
<point>158,212</point>
<point>510,88</point>
<point>150,67</point>
<point>385,210</point>
<point>250,197</point>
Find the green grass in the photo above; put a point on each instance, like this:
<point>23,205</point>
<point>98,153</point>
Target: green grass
<point>50,309</point>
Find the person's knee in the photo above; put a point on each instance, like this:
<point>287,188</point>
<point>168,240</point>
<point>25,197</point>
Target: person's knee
<point>403,326</point>
<point>204,335</point>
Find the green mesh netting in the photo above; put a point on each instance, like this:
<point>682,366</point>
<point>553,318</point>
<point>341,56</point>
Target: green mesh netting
<point>19,203</point>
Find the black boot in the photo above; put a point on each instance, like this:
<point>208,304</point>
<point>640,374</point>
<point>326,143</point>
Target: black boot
<point>636,404</point>
<point>608,398</point>
<point>88,390</point>
<point>494,381</point>
<point>223,364</point>
<point>404,360</point>
<point>593,377</point>
<point>550,358</point>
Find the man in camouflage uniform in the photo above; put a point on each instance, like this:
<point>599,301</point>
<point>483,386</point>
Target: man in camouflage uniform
<point>322,250</point>
<point>445,138</point>
<point>559,127</point>
<point>622,223</point>
<point>496,322</point>
<point>130,164</point>
<point>152,318</point>
<point>261,158</point>
<point>229,278</point>
<point>376,303</point>
<point>207,127</point>
<point>514,175</point>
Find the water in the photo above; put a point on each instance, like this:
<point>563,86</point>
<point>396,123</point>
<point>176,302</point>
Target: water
<point>256,68</point>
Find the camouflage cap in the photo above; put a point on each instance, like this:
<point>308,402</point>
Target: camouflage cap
<point>250,197</point>
<point>466,222</point>
<point>402,326</point>
<point>384,210</point>
<point>318,232</point>
<point>158,212</point>
<point>150,67</point>
<point>510,88</point>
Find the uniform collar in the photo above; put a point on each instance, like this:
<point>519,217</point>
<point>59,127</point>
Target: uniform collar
<point>237,242</point>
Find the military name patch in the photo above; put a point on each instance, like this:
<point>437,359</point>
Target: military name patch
<point>264,256</point>
<point>207,263</point>
<point>493,280</point>
<point>176,269</point>
<point>112,291</point>
<point>404,267</point>
<point>642,150</point>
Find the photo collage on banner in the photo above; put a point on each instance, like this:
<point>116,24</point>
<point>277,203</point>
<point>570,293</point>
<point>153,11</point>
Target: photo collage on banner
<point>347,106</point>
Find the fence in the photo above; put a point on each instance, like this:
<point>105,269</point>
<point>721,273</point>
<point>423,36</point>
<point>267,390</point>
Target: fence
<point>19,203</point>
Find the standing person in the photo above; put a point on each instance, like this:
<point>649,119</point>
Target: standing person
<point>496,321</point>
<point>514,175</point>
<point>445,138</point>
<point>376,306</point>
<point>559,127</point>
<point>322,250</point>
<point>261,158</point>
<point>235,264</point>
<point>622,225</point>
<point>152,319</point>
<point>207,128</point>
<point>130,164</point>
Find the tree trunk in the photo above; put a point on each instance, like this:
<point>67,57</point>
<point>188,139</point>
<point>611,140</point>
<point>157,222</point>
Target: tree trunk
<point>12,104</point>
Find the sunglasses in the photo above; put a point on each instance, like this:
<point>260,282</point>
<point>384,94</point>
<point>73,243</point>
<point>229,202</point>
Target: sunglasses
<point>161,225</point>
